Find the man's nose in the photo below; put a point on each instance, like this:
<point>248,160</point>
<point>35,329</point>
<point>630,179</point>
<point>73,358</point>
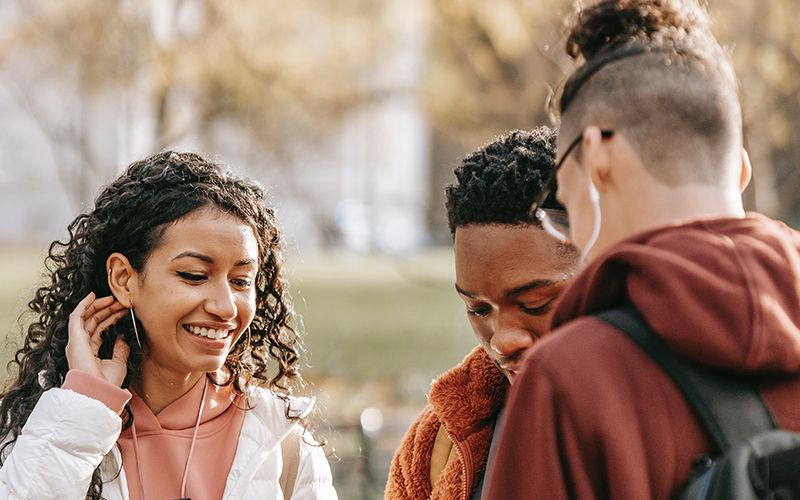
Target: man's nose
<point>509,337</point>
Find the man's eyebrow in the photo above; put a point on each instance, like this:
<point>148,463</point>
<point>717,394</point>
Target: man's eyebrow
<point>464,292</point>
<point>206,258</point>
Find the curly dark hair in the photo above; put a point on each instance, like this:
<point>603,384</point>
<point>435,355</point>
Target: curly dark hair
<point>130,216</point>
<point>497,183</point>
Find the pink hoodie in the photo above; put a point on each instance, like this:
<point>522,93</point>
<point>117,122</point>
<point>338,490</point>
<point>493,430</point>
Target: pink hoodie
<point>164,439</point>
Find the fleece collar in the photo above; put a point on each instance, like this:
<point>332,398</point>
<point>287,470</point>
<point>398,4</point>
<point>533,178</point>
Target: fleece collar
<point>469,394</point>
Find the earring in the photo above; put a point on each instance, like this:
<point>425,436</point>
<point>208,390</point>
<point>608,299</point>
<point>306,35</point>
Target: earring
<point>135,330</point>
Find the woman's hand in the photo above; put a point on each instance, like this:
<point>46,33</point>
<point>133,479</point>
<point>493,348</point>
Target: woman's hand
<point>87,322</point>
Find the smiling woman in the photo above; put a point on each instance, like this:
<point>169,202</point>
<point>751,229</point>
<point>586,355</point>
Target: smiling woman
<point>160,361</point>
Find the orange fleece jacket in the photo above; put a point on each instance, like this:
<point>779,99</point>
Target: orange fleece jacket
<point>466,401</point>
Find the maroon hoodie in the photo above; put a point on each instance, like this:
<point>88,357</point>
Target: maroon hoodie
<point>591,416</point>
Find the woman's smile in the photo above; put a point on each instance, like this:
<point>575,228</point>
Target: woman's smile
<point>195,296</point>
<point>208,332</point>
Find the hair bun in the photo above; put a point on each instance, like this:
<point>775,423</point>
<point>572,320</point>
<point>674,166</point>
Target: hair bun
<point>607,24</point>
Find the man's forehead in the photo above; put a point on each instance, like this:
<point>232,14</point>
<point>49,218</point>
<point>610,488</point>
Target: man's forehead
<point>509,257</point>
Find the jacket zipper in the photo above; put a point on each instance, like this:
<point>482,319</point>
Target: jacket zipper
<point>466,466</point>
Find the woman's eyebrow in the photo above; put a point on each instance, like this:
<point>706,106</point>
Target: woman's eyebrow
<point>210,260</point>
<point>196,255</point>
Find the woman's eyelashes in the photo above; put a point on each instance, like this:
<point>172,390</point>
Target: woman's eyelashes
<point>193,277</point>
<point>241,283</point>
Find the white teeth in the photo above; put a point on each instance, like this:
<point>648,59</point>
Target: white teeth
<point>208,332</point>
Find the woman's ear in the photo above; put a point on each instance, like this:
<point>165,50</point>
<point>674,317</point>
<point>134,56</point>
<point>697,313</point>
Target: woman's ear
<point>122,278</point>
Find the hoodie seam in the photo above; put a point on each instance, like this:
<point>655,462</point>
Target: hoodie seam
<point>752,292</point>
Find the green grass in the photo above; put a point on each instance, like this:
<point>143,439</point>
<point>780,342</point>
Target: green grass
<point>365,318</point>
<point>20,270</point>
<point>381,317</point>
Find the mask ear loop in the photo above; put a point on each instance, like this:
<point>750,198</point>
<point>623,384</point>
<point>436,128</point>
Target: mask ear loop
<point>594,197</point>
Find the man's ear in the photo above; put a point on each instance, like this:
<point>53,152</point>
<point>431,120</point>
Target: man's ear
<point>746,171</point>
<point>596,156</point>
<point>122,278</point>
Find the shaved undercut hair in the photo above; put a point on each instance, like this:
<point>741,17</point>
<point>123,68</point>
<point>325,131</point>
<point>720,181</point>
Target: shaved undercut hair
<point>652,70</point>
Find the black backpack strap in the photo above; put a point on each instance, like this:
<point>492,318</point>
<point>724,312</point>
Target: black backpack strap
<point>730,409</point>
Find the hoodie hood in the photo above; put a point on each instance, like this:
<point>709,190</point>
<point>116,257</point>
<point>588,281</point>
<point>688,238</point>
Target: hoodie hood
<point>720,292</point>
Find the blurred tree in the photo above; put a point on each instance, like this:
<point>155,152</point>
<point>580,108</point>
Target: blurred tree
<point>494,66</point>
<point>275,71</point>
<point>766,52</point>
<point>272,70</point>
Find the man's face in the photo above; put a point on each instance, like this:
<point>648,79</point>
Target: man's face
<point>509,277</point>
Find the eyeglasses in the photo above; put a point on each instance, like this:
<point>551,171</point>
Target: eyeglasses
<point>556,222</point>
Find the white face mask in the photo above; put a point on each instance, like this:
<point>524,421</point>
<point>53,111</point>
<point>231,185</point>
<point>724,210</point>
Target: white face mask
<point>594,197</point>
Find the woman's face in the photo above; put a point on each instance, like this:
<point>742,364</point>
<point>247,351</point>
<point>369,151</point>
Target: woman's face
<point>195,295</point>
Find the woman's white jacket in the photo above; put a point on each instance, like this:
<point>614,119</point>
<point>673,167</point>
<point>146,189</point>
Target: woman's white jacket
<point>68,435</point>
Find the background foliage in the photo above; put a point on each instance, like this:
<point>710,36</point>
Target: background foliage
<point>284,77</point>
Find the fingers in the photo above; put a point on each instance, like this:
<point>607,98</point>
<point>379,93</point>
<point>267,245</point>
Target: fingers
<point>121,351</point>
<point>98,311</point>
<point>92,317</point>
<point>80,309</point>
<point>96,335</point>
<point>97,304</point>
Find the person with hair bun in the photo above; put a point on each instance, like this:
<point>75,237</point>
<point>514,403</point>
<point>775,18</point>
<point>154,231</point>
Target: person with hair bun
<point>651,169</point>
<point>160,360</point>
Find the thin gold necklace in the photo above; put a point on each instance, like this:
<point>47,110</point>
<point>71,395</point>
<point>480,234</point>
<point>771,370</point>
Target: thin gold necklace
<point>188,458</point>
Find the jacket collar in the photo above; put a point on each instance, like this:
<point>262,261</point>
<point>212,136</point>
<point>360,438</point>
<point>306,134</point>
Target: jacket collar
<point>469,394</point>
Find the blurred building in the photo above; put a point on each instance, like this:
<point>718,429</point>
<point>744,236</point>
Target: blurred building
<point>361,185</point>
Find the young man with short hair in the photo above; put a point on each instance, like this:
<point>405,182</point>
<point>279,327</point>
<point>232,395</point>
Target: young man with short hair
<point>651,172</point>
<point>508,273</point>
